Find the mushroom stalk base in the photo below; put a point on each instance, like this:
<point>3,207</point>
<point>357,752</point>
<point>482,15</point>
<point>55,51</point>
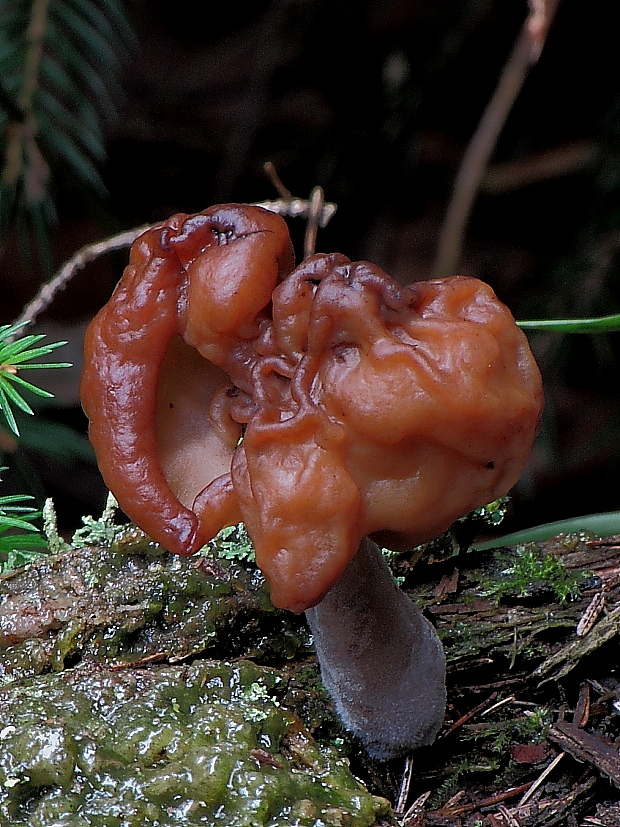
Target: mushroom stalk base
<point>381,660</point>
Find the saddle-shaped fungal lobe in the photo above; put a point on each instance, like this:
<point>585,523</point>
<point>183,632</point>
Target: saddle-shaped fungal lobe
<point>366,407</point>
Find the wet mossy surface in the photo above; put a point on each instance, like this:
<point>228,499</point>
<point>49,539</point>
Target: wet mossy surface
<point>133,601</point>
<point>199,744</point>
<point>138,688</point>
<point>129,698</point>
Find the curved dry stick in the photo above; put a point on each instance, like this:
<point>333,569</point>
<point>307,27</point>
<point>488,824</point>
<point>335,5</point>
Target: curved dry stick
<point>471,171</point>
<point>48,291</point>
<point>286,207</point>
<point>316,208</point>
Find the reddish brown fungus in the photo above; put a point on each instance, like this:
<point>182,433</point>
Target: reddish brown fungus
<point>369,408</point>
<point>368,411</point>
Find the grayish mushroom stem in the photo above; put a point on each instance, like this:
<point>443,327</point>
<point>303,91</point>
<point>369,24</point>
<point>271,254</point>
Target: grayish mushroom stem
<point>381,660</point>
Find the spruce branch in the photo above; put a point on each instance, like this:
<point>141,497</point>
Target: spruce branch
<point>20,539</point>
<point>16,355</point>
<point>60,64</point>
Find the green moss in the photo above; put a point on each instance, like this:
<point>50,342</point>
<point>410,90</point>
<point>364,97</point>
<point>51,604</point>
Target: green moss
<point>528,571</point>
<point>232,543</point>
<point>107,743</point>
<point>132,601</point>
<point>461,640</point>
<point>206,744</point>
<point>530,728</point>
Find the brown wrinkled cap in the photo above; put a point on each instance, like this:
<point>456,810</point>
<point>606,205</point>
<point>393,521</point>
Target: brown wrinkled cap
<point>367,408</point>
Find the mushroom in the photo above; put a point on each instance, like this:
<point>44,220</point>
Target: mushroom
<point>369,412</point>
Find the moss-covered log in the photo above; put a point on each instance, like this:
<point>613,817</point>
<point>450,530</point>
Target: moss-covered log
<point>523,629</point>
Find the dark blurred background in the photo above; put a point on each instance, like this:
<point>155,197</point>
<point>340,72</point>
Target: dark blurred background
<point>173,107</point>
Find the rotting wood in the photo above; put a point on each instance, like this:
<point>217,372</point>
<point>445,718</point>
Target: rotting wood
<point>552,812</point>
<point>519,646</point>
<point>415,817</point>
<point>591,614</point>
<point>564,660</point>
<point>453,810</point>
<point>493,647</point>
<point>582,707</point>
<point>588,748</point>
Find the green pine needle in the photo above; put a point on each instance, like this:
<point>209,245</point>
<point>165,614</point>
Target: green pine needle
<point>17,355</point>
<point>20,539</point>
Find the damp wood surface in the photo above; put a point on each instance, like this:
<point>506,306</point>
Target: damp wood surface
<point>531,638</point>
<point>532,725</point>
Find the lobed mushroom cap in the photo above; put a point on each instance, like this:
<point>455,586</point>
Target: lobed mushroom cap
<point>367,408</point>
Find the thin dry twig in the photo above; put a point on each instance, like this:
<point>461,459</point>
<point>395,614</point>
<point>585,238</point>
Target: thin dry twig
<point>414,817</point>
<point>403,790</point>
<point>70,268</point>
<point>509,819</point>
<point>271,172</point>
<point>538,782</point>
<point>317,201</point>
<point>524,55</point>
<point>452,811</point>
<point>147,660</point>
<point>498,705</point>
<point>468,715</point>
<point>508,176</point>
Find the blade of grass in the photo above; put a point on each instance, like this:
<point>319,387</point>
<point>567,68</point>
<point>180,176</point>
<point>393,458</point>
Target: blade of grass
<point>602,324</point>
<point>605,524</point>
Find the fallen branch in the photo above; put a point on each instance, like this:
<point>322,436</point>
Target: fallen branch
<point>569,655</point>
